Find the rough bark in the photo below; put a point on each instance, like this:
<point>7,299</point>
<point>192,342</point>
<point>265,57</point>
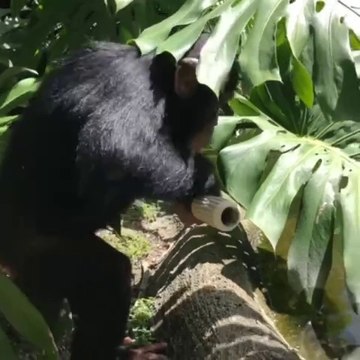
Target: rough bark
<point>205,302</point>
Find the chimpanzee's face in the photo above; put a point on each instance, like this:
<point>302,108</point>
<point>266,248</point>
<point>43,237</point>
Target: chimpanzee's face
<point>196,106</point>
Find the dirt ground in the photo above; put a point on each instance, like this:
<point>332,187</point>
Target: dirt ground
<point>147,232</point>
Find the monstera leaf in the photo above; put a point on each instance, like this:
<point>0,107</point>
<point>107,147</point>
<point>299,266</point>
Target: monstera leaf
<point>232,19</point>
<point>26,319</point>
<point>253,29</point>
<point>267,168</point>
<point>292,151</point>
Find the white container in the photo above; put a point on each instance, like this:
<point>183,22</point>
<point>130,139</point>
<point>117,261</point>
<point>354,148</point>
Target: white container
<point>217,212</point>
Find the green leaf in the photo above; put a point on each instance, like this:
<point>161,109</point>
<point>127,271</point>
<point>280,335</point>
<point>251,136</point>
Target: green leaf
<point>336,84</point>
<point>354,41</point>
<point>302,83</point>
<point>350,208</point>
<point>22,315</point>
<point>14,71</point>
<point>298,23</point>
<point>16,6</point>
<point>356,55</point>
<point>7,120</point>
<point>120,4</point>
<point>344,134</point>
<point>223,131</point>
<point>6,350</point>
<point>4,12</point>
<point>276,193</point>
<point>18,95</point>
<point>350,18</point>
<point>218,54</point>
<point>250,155</point>
<point>189,12</point>
<point>4,27</point>
<point>242,106</point>
<point>315,229</point>
<point>258,55</point>
<point>262,98</point>
<point>273,168</point>
<point>182,40</point>
<point>48,16</point>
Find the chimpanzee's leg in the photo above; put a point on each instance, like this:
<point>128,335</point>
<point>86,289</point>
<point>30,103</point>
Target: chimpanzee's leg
<point>38,279</point>
<point>99,293</point>
<point>96,280</point>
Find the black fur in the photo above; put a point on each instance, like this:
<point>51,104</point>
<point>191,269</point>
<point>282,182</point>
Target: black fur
<point>105,128</point>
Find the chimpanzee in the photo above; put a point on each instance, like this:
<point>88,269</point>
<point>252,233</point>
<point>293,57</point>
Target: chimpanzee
<point>107,126</point>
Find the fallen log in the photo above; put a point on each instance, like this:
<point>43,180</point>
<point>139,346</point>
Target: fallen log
<point>206,307</point>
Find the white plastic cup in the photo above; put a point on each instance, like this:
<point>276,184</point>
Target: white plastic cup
<point>217,212</point>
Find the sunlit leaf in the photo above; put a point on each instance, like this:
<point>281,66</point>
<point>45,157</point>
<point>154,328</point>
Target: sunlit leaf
<point>299,16</point>
<point>25,318</point>
<point>350,207</point>
<point>315,228</point>
<point>354,41</point>
<point>182,40</point>
<point>268,171</point>
<point>189,12</point>
<point>218,54</point>
<point>356,55</point>
<point>120,4</point>
<point>14,71</point>
<point>298,23</point>
<point>258,55</point>
<point>276,193</point>
<point>336,83</point>
<point>20,93</point>
<point>302,83</point>
<point>350,17</point>
<point>6,120</point>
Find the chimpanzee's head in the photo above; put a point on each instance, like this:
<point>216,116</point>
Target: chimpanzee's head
<point>192,108</point>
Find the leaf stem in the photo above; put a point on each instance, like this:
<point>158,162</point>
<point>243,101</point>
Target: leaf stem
<point>345,137</point>
<point>354,155</point>
<point>324,130</point>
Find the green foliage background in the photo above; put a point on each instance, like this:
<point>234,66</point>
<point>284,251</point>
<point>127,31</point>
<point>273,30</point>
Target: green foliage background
<point>289,155</point>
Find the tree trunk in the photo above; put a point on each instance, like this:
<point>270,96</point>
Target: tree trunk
<point>205,302</point>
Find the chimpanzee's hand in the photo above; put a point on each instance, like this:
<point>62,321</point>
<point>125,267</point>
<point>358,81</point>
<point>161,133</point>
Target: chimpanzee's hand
<point>205,181</point>
<point>185,214</point>
<point>148,352</point>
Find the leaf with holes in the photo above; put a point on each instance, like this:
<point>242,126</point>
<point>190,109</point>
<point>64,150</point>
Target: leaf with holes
<point>221,48</point>
<point>258,54</point>
<point>272,169</point>
<point>189,12</point>
<point>336,83</point>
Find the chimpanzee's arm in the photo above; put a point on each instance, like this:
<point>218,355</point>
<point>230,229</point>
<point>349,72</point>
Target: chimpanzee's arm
<point>150,158</point>
<point>173,178</point>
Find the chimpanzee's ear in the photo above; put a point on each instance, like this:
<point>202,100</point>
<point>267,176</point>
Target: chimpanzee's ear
<point>185,77</point>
